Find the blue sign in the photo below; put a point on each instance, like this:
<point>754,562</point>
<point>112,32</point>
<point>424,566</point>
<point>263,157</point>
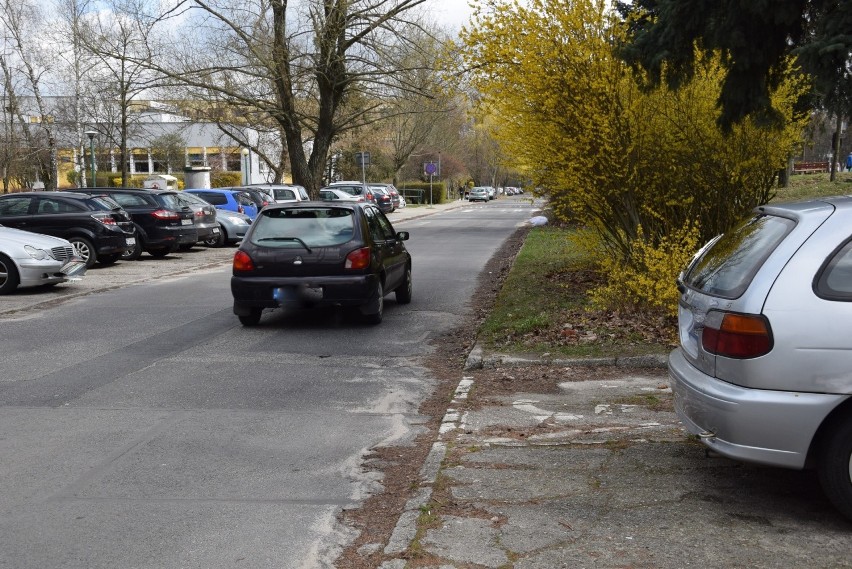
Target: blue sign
<point>430,168</point>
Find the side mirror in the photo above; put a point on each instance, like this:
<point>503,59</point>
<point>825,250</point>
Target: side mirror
<point>402,235</point>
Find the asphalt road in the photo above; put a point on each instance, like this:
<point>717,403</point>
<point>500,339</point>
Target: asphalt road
<point>143,427</point>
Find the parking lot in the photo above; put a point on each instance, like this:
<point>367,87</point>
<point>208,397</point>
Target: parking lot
<point>122,273</point>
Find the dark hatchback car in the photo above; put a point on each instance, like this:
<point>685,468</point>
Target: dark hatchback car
<point>163,223</point>
<point>320,253</point>
<point>98,228</point>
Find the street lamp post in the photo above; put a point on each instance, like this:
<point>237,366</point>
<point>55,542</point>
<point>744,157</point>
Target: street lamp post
<point>246,166</point>
<point>91,134</point>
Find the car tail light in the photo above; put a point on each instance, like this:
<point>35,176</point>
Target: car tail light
<point>200,213</point>
<point>358,259</point>
<point>733,335</point>
<point>241,209</point>
<point>104,218</point>
<point>242,262</point>
<point>165,214</point>
<point>371,197</point>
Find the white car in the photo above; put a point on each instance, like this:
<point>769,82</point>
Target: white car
<point>32,259</point>
<point>330,194</point>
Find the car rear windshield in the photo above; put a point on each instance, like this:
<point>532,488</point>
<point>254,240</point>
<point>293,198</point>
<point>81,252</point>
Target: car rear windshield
<point>105,203</point>
<point>351,190</point>
<point>299,228</point>
<point>171,201</point>
<point>727,267</point>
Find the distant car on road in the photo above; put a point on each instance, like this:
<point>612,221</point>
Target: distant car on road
<point>478,194</point>
<point>337,253</point>
<point>764,369</point>
<point>31,259</point>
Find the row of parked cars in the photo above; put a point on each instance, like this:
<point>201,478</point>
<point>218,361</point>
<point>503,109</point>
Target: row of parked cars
<point>103,225</point>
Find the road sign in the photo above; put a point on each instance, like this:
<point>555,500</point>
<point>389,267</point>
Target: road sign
<point>430,168</point>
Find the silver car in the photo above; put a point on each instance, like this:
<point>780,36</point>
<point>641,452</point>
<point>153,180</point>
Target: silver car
<point>232,228</point>
<point>32,259</point>
<point>763,373</point>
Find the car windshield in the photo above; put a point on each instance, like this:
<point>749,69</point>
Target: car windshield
<point>727,266</point>
<point>303,228</point>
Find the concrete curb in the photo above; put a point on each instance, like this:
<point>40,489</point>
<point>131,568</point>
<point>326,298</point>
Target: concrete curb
<point>405,530</point>
<point>476,359</point>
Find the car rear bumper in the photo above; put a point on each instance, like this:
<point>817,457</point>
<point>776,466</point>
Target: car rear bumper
<point>273,292</point>
<point>752,425</point>
<point>170,236</point>
<point>113,243</point>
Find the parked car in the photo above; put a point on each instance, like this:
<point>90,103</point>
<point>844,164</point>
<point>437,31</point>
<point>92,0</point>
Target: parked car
<point>232,228</point>
<point>311,253</point>
<point>261,199</point>
<point>283,193</point>
<point>204,216</point>
<point>357,189</point>
<point>478,194</point>
<point>98,228</point>
<point>234,200</point>
<point>163,223</point>
<point>764,369</point>
<point>31,259</point>
<point>331,194</point>
<point>391,190</point>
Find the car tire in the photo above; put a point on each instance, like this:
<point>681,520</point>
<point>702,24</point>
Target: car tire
<point>84,249</point>
<point>835,468</point>
<point>108,259</point>
<point>159,253</point>
<point>252,318</point>
<point>9,277</point>
<point>134,253</point>
<point>217,240</point>
<point>374,310</point>
<point>403,292</point>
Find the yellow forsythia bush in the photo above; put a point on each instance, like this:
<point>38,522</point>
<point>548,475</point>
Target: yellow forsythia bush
<point>647,281</point>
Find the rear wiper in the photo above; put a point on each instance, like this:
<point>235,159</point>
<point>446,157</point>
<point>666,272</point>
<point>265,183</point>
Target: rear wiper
<point>305,245</point>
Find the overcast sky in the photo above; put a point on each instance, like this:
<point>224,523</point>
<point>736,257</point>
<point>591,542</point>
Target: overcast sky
<point>452,13</point>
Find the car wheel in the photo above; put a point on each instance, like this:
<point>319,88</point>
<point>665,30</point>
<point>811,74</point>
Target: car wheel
<point>835,468</point>
<point>373,310</point>
<point>84,249</point>
<point>159,253</point>
<point>217,240</point>
<point>134,253</point>
<point>108,259</point>
<point>403,292</point>
<point>9,278</point>
<point>251,319</point>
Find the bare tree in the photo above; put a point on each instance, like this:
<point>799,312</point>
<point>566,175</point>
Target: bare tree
<point>71,52</point>
<point>309,71</point>
<point>121,41</point>
<point>19,20</point>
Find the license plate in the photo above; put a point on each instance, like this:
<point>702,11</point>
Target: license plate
<point>215,231</point>
<point>131,240</point>
<point>186,222</point>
